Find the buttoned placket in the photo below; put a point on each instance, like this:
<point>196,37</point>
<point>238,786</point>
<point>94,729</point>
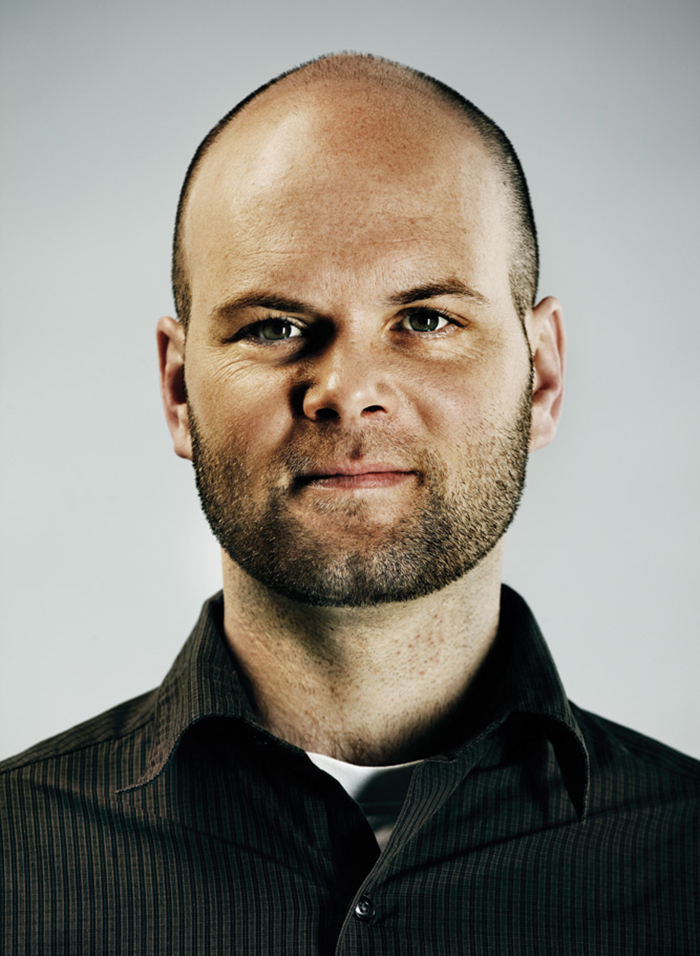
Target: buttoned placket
<point>432,784</point>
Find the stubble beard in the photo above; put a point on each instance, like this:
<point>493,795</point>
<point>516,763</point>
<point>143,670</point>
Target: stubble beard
<point>452,525</point>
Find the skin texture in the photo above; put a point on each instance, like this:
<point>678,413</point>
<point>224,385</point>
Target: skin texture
<point>354,373</point>
<point>446,527</point>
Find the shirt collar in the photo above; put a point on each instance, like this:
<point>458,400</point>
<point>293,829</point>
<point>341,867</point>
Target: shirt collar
<point>518,679</point>
<point>203,682</point>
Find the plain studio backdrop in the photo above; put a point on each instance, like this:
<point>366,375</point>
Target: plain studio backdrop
<point>105,556</point>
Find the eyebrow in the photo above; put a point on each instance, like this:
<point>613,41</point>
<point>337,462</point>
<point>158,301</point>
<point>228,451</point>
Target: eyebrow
<point>278,303</point>
<point>259,300</point>
<point>432,290</point>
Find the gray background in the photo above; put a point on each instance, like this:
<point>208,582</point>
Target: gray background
<point>105,557</point>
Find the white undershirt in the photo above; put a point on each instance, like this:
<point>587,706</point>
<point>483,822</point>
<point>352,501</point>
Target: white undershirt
<point>378,791</point>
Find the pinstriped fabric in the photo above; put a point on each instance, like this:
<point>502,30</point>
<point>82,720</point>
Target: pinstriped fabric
<point>175,824</point>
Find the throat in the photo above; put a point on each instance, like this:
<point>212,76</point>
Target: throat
<point>382,739</point>
<point>379,710</point>
<point>372,686</point>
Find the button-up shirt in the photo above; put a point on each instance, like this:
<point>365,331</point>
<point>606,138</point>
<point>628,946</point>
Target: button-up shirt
<point>176,824</point>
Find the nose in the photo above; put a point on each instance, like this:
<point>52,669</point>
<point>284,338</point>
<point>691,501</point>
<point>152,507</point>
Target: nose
<point>348,382</point>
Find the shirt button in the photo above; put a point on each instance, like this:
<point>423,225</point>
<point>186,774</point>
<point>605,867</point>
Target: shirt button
<point>364,910</point>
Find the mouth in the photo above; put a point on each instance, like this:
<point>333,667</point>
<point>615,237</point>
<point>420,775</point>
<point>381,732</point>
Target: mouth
<point>354,476</point>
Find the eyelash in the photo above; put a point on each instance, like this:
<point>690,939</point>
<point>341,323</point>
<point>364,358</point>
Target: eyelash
<point>427,312</point>
<point>249,332</point>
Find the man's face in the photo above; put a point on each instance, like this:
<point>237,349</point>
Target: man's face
<point>358,380</point>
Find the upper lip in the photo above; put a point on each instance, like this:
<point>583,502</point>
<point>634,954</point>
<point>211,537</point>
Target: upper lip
<point>352,468</point>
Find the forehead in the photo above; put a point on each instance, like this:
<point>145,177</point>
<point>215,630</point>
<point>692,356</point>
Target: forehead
<point>347,173</point>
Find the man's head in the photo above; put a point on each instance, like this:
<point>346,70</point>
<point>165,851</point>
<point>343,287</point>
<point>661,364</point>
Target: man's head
<point>389,76</point>
<point>365,370</point>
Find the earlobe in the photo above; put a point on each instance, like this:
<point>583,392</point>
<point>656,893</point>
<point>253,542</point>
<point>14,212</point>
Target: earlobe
<point>547,337</point>
<point>171,354</point>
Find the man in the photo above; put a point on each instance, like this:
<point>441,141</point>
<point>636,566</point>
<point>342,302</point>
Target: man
<point>364,746</point>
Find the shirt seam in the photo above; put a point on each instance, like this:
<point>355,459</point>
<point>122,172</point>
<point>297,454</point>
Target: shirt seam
<point>73,750</point>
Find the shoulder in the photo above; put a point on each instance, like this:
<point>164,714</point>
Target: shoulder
<point>117,727</point>
<point>610,740</point>
<point>629,769</point>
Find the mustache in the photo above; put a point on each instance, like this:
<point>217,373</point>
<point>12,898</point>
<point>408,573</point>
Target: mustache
<point>304,454</point>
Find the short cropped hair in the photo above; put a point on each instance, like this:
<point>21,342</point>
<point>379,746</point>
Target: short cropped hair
<point>524,256</point>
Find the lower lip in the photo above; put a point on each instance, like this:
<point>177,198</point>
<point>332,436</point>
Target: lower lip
<point>370,479</point>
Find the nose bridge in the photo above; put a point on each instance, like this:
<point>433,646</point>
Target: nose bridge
<point>348,379</point>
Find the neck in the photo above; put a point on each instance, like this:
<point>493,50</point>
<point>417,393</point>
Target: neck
<point>372,685</point>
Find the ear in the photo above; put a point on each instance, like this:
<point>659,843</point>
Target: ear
<point>171,354</point>
<point>545,328</point>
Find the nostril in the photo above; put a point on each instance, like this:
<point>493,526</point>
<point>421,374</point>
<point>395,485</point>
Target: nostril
<point>326,414</point>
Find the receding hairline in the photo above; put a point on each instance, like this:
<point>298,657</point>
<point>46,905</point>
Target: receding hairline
<point>368,68</point>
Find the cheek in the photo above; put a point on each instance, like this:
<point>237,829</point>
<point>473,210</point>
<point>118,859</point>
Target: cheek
<point>240,411</point>
<point>463,399</point>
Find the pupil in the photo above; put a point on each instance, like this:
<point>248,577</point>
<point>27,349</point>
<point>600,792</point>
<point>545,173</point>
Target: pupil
<point>424,323</point>
<point>275,329</point>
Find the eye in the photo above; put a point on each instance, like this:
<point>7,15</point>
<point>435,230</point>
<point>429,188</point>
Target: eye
<point>423,320</point>
<point>273,330</point>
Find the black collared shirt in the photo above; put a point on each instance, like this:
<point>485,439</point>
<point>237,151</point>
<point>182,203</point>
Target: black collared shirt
<point>174,824</point>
